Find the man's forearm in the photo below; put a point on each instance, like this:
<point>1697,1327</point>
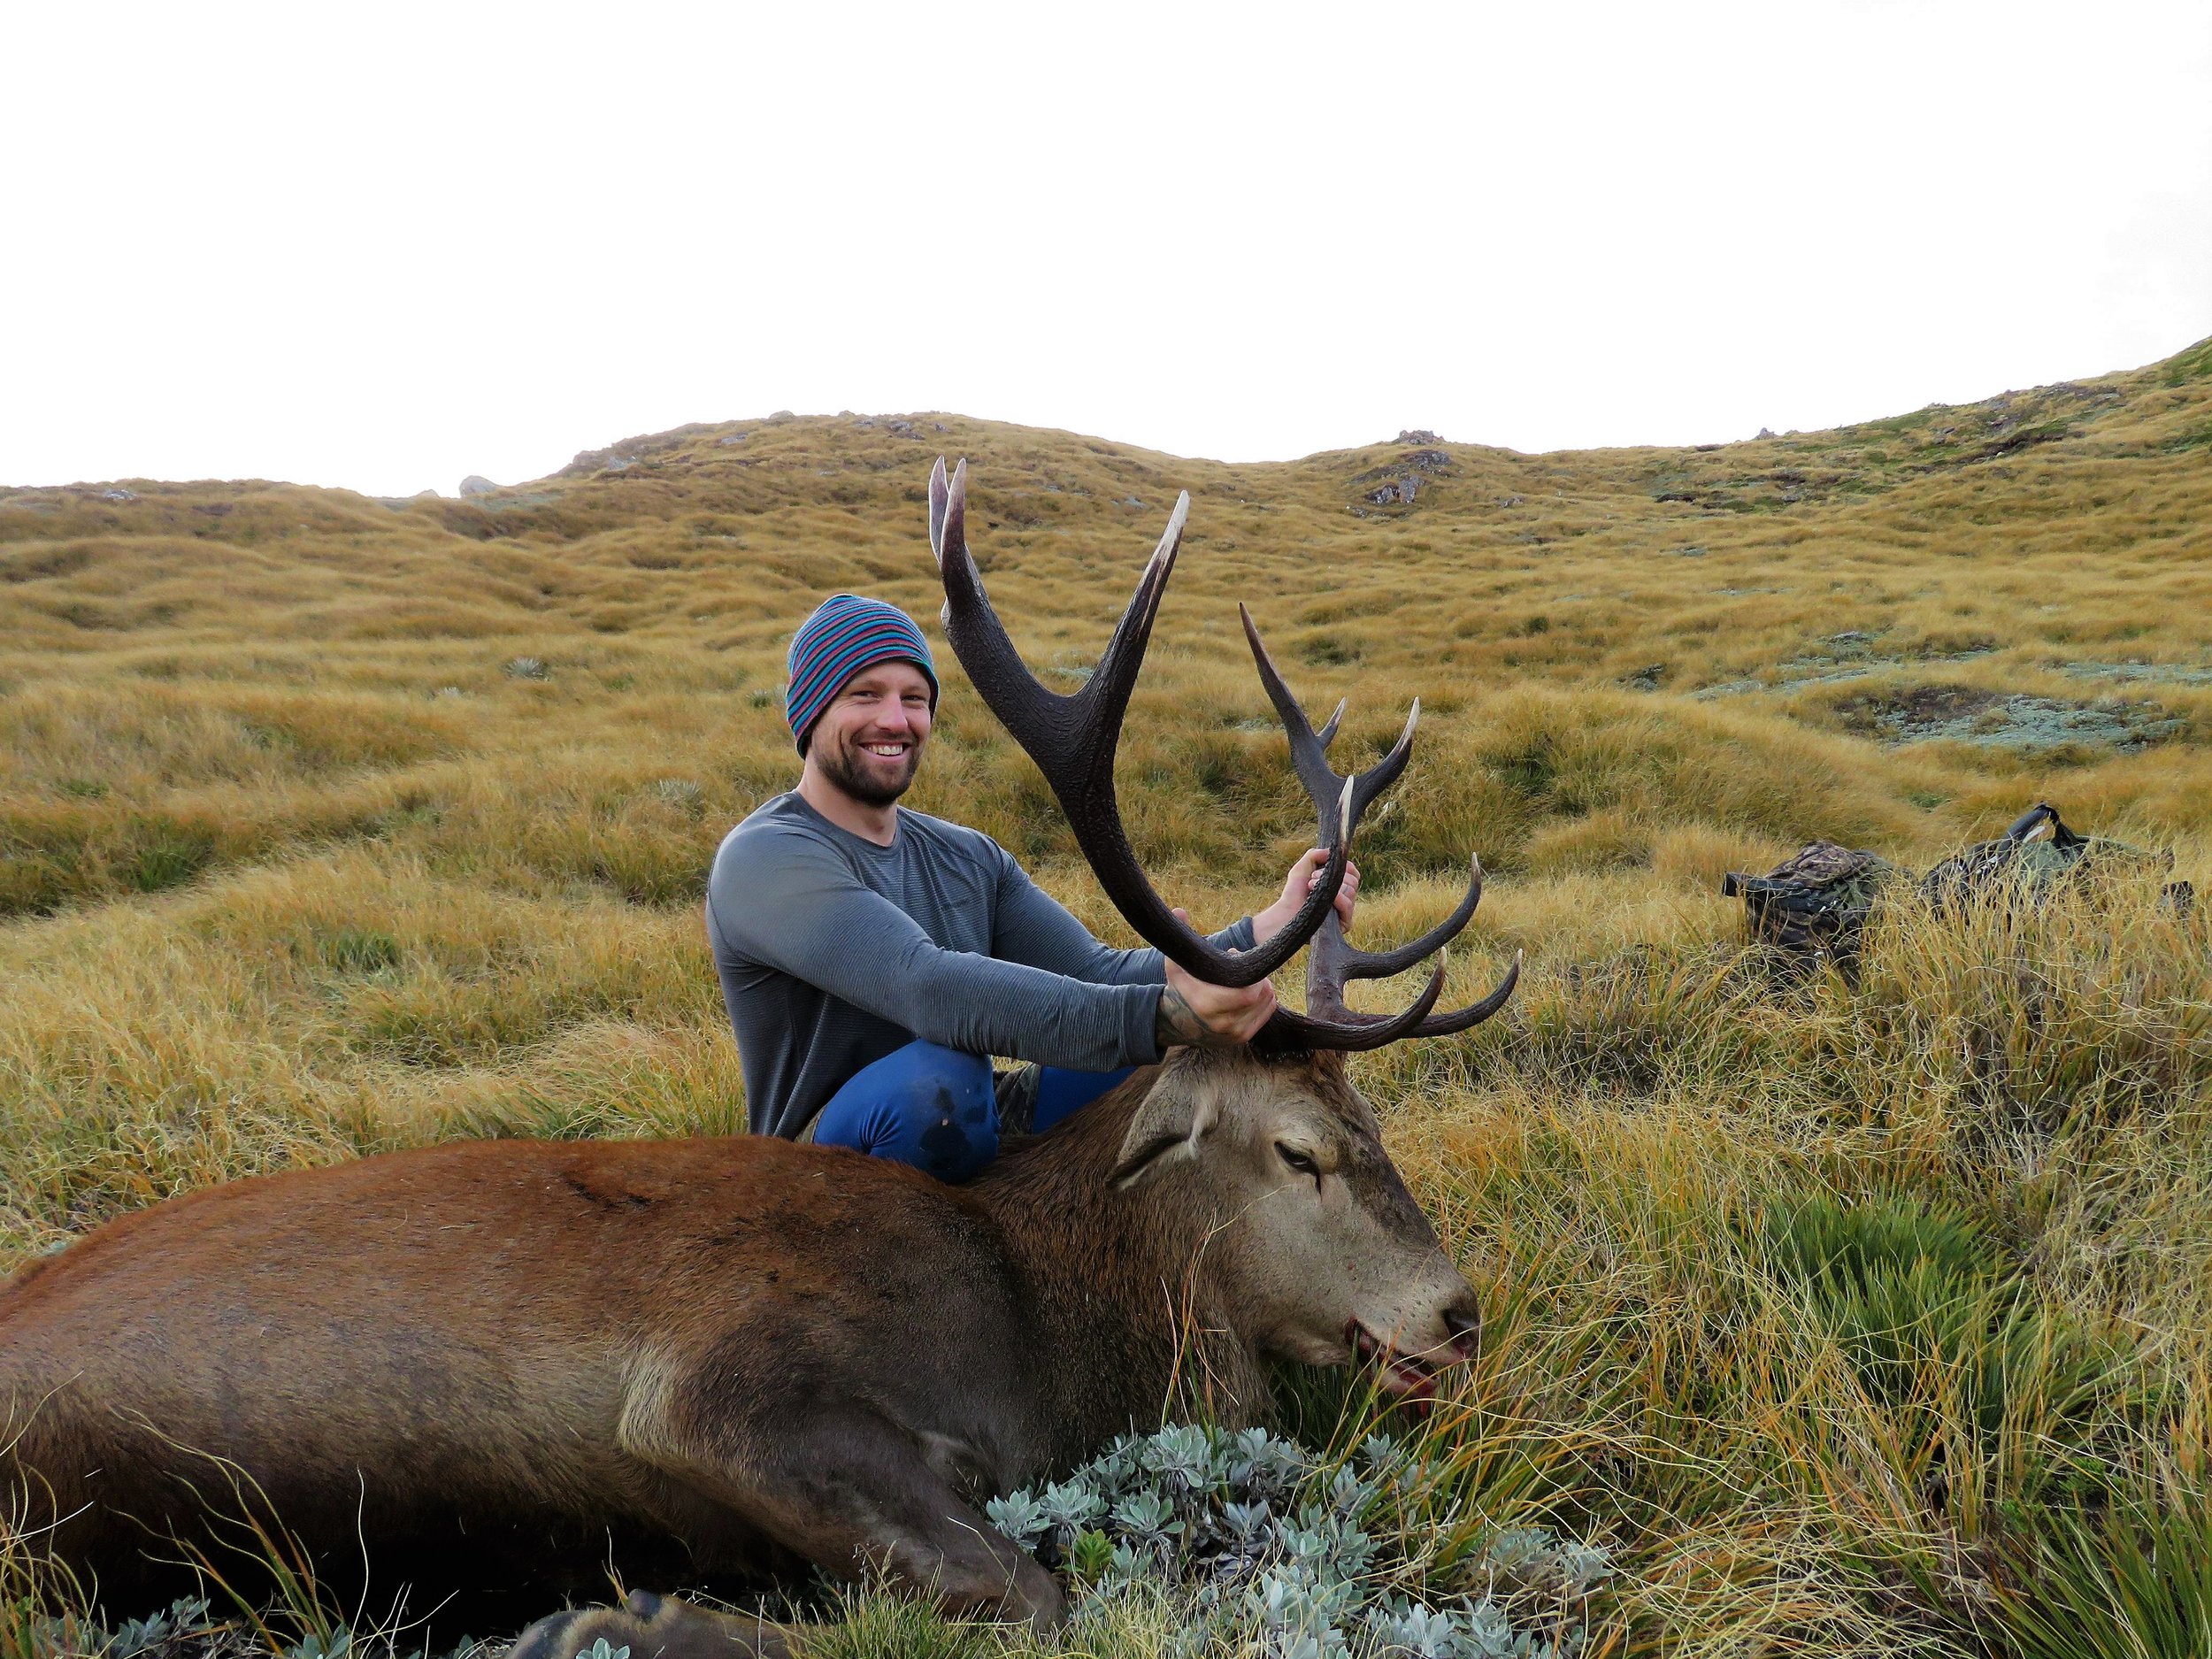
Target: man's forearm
<point>1211,1016</point>
<point>1176,1025</point>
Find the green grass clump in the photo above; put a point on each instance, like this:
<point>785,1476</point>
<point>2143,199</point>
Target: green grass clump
<point>2134,1581</point>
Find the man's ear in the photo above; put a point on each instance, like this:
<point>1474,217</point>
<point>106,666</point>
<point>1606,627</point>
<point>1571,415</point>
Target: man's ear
<point>1170,1124</point>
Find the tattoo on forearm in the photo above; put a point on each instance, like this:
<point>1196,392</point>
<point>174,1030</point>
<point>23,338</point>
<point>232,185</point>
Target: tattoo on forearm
<point>1175,1025</point>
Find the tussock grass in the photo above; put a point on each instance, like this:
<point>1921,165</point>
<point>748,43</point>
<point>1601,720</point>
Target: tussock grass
<point>1853,1317</point>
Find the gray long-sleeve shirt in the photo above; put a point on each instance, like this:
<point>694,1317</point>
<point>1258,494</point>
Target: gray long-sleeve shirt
<point>833,951</point>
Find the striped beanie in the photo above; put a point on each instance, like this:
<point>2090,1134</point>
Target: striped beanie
<point>845,634</point>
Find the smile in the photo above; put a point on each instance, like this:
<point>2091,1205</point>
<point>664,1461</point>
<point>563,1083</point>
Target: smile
<point>889,751</point>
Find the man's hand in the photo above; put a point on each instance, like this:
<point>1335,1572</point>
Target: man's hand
<point>1195,1012</point>
<point>1304,876</point>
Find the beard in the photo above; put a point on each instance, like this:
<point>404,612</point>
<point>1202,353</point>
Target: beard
<point>851,772</point>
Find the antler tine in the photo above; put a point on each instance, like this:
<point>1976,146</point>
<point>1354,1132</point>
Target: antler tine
<point>1347,964</point>
<point>1309,747</point>
<point>1353,1034</point>
<point>1381,964</point>
<point>1474,1013</point>
<point>1333,960</point>
<point>1357,1033</point>
<point>979,639</point>
<point>939,493</point>
<point>1071,739</point>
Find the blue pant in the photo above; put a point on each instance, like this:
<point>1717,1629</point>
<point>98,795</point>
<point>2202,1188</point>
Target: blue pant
<point>937,1109</point>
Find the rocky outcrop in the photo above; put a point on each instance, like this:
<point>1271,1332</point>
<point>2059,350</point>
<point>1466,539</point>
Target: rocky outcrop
<point>1395,492</point>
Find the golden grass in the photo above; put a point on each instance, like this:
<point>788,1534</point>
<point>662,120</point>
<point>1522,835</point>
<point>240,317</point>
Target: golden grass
<point>300,858</point>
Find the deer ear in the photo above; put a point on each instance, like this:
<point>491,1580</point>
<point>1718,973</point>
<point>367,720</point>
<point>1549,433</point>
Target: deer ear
<point>1173,1119</point>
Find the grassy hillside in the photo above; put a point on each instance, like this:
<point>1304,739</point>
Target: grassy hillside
<point>330,823</point>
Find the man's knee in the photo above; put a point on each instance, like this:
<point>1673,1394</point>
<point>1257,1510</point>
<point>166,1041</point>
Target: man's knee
<point>925,1104</point>
<point>953,1108</point>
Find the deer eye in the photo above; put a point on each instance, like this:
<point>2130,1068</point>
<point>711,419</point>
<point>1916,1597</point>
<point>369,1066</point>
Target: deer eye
<point>1302,1162</point>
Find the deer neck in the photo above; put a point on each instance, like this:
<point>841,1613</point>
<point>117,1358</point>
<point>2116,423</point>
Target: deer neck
<point>1131,1319</point>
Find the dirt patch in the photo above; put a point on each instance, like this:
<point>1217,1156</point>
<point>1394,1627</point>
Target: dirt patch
<point>1916,712</point>
<point>1999,719</point>
<point>2173,673</point>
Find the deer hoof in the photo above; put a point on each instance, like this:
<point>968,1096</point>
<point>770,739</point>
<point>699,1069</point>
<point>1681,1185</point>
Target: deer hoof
<point>651,1627</point>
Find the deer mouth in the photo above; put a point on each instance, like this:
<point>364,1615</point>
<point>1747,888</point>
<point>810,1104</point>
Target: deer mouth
<point>1406,1376</point>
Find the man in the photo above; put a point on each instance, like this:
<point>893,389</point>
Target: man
<point>873,958</point>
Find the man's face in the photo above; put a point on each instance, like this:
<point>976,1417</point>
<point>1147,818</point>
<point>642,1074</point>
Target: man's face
<point>868,741</point>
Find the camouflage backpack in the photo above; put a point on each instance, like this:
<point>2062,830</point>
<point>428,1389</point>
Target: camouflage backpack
<point>1817,902</point>
<point>2036,861</point>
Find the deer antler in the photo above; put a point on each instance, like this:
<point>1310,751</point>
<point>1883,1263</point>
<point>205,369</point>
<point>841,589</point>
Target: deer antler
<point>1333,960</point>
<point>1071,738</point>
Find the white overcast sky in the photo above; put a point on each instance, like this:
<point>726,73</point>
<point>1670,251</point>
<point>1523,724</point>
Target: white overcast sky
<point>383,246</point>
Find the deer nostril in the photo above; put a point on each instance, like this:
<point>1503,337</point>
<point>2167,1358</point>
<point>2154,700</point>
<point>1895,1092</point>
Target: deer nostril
<point>1463,1320</point>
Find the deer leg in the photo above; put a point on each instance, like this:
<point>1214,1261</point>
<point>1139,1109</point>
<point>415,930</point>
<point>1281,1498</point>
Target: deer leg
<point>858,1495</point>
<point>844,1488</point>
